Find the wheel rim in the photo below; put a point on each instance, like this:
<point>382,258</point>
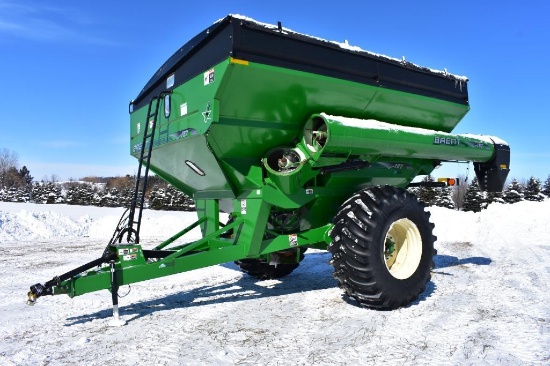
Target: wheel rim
<point>402,248</point>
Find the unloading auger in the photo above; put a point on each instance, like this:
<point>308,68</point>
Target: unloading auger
<point>304,143</point>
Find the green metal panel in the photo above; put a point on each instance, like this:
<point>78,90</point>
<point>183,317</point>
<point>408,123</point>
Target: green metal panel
<point>246,109</point>
<point>180,139</point>
<point>257,92</point>
<point>174,162</point>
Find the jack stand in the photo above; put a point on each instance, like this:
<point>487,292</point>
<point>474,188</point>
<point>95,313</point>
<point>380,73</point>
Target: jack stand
<point>116,321</point>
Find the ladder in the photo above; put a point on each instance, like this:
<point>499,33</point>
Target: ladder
<point>136,205</point>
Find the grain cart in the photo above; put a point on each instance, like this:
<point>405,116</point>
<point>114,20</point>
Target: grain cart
<point>304,143</point>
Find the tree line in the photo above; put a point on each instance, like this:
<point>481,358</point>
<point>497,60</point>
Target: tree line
<point>467,196</point>
<point>17,185</point>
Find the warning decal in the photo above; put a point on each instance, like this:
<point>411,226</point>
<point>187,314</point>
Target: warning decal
<point>209,77</point>
<point>293,240</point>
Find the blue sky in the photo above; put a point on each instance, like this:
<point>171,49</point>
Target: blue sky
<point>69,68</point>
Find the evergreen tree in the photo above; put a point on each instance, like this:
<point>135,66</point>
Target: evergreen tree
<point>532,190</point>
<point>169,198</point>
<point>71,194</point>
<point>40,193</point>
<point>89,194</point>
<point>157,198</point>
<point>55,194</point>
<point>513,193</point>
<point>36,192</point>
<point>546,187</point>
<point>108,198</point>
<point>473,201</point>
<point>121,190</point>
<point>427,194</point>
<point>179,200</point>
<point>11,195</point>
<point>495,197</point>
<point>82,194</point>
<point>125,197</point>
<point>22,195</point>
<point>25,175</point>
<point>47,193</point>
<point>444,197</point>
<point>14,194</point>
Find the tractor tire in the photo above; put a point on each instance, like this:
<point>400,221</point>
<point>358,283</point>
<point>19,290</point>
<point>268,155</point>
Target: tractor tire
<point>261,269</point>
<point>382,247</point>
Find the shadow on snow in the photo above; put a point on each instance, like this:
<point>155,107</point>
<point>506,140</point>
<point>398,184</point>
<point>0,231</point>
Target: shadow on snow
<point>313,274</point>
<point>445,261</point>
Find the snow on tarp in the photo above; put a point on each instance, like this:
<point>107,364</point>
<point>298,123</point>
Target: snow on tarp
<point>345,45</point>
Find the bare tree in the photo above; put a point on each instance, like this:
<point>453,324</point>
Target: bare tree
<point>8,161</point>
<point>120,183</point>
<point>459,192</point>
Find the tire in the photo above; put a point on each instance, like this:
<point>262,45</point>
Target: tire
<point>261,269</point>
<point>382,247</point>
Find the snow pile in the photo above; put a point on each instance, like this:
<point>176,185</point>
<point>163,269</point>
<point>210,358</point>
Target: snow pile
<point>487,302</point>
<point>499,227</point>
<point>31,222</point>
<point>31,225</point>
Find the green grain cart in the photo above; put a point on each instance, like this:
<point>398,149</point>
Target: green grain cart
<point>304,143</point>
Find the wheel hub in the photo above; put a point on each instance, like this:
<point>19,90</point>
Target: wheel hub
<point>402,248</point>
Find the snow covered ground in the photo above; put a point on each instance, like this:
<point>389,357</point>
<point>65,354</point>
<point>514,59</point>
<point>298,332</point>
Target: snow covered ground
<point>487,303</point>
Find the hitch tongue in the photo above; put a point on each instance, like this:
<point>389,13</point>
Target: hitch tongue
<point>48,288</point>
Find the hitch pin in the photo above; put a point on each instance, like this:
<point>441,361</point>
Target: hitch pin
<point>31,300</point>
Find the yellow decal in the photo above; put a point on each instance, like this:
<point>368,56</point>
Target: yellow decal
<point>238,61</point>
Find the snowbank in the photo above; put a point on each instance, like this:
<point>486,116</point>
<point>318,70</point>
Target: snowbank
<point>28,221</point>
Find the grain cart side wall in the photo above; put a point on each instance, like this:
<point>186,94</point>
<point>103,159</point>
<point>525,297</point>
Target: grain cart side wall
<point>261,44</point>
<point>180,137</point>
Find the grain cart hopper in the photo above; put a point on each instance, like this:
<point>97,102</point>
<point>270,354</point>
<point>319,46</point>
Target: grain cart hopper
<point>304,143</point>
